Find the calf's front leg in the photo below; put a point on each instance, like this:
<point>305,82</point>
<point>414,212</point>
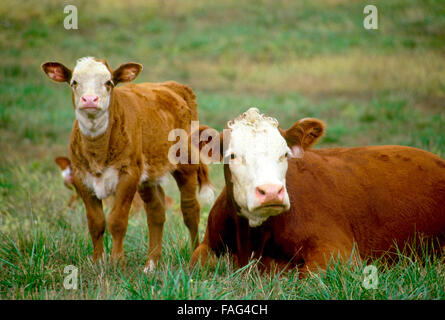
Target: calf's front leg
<point>118,218</point>
<point>95,217</point>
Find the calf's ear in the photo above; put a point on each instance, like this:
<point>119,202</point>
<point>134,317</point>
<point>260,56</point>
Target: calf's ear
<point>57,71</point>
<point>126,72</point>
<point>62,162</point>
<point>303,135</point>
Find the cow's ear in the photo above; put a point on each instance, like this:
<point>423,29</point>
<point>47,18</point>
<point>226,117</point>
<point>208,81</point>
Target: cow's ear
<point>62,162</point>
<point>57,72</point>
<point>303,135</point>
<point>126,72</point>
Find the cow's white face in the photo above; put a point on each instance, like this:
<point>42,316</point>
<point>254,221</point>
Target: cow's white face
<point>257,156</point>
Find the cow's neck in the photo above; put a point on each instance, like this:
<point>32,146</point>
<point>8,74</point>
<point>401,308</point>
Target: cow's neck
<point>243,243</point>
<point>96,148</point>
<point>229,187</point>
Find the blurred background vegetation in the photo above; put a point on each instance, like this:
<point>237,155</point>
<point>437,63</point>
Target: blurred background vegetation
<point>291,59</point>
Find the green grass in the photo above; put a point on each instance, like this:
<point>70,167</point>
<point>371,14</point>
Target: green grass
<point>291,59</point>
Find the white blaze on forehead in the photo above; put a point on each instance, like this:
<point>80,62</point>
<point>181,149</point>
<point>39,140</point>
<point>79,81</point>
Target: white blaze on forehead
<point>255,134</point>
<point>260,158</point>
<point>88,67</point>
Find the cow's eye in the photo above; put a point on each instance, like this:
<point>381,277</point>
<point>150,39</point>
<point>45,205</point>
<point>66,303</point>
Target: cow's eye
<point>283,157</point>
<point>109,83</point>
<point>232,156</point>
<point>73,83</point>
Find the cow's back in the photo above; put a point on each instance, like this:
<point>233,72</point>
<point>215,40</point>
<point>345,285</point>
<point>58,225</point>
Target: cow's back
<point>372,195</point>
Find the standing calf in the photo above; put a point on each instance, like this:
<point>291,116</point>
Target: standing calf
<point>119,145</point>
<point>300,210</point>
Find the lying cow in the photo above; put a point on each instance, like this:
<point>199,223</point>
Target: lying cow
<point>289,205</point>
<point>119,145</point>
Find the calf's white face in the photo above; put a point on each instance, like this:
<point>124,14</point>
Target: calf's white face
<point>91,79</point>
<point>92,83</point>
<point>257,156</point>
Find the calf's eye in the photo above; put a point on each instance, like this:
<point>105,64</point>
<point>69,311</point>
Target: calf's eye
<point>109,83</point>
<point>73,83</point>
<point>232,156</point>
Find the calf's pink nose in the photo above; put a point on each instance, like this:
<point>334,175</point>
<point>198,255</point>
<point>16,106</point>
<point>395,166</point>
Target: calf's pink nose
<point>270,193</point>
<point>89,101</point>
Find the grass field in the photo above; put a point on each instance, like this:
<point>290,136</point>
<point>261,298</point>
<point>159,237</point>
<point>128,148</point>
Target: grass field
<point>291,59</point>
